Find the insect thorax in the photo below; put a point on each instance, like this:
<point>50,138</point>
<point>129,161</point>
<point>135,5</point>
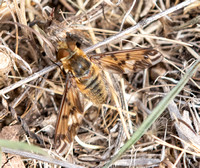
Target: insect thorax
<point>80,66</point>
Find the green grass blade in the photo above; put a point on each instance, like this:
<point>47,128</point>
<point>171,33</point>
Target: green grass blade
<point>22,146</point>
<point>0,157</point>
<point>157,111</point>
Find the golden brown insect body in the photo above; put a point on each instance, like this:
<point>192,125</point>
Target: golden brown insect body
<point>87,75</point>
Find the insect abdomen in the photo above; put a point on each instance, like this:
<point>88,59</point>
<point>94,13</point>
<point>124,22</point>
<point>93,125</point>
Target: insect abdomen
<point>93,86</point>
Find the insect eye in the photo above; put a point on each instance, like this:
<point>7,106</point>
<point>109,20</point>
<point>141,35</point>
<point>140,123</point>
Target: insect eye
<point>62,53</point>
<point>78,44</point>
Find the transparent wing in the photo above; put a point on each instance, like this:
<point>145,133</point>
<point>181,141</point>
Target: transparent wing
<point>70,117</point>
<point>127,60</point>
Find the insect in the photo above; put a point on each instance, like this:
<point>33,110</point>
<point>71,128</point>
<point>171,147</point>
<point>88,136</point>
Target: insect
<point>85,75</point>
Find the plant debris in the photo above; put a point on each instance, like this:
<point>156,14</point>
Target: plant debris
<point>32,81</point>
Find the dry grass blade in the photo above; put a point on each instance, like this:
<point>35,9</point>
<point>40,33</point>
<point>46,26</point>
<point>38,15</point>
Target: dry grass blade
<point>40,158</point>
<point>156,113</point>
<point>140,24</point>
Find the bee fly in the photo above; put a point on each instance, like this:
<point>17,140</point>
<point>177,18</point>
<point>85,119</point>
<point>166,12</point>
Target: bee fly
<point>85,75</point>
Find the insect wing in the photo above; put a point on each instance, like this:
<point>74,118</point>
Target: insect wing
<point>69,119</point>
<point>131,60</point>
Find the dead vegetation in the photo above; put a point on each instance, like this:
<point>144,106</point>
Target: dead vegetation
<point>32,84</point>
